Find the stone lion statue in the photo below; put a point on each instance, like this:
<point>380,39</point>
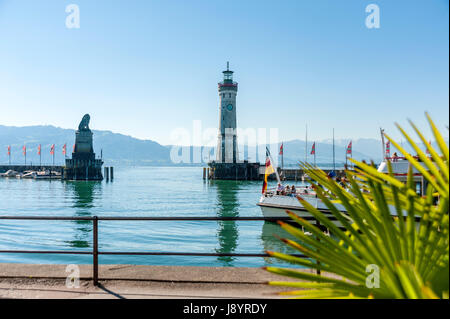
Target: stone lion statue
<point>84,124</point>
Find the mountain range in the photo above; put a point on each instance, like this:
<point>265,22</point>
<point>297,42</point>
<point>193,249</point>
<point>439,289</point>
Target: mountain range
<point>120,149</point>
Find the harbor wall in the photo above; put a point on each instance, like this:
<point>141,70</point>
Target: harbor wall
<point>233,171</point>
<point>250,171</point>
<point>296,174</point>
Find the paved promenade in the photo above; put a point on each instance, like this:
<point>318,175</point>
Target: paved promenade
<point>131,281</point>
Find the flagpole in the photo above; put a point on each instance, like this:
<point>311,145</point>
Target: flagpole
<point>351,154</point>
<point>314,154</point>
<point>334,155</point>
<point>306,144</point>
<point>271,160</point>
<point>383,145</point>
<point>346,158</point>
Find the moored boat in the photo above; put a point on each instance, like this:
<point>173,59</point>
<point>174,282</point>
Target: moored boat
<point>47,175</point>
<point>9,173</point>
<point>275,202</point>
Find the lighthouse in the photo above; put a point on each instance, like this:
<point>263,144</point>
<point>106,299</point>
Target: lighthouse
<point>227,164</point>
<point>227,151</point>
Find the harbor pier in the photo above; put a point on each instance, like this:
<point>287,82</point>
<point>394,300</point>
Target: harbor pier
<point>234,171</point>
<point>108,173</point>
<point>254,171</point>
<point>297,174</point>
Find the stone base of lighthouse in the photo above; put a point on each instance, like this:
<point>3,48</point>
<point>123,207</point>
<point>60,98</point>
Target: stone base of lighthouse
<point>234,171</point>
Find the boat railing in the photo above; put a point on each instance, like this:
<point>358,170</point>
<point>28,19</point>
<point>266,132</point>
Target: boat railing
<point>402,158</point>
<point>301,190</point>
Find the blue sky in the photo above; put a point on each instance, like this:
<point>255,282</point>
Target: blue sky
<point>144,68</point>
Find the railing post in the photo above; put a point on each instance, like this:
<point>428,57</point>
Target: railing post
<point>95,251</point>
<point>318,262</point>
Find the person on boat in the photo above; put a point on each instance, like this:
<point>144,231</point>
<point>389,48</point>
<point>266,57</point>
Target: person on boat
<point>280,189</point>
<point>293,190</point>
<point>340,181</point>
<point>344,181</point>
<point>305,190</point>
<point>395,157</point>
<point>288,190</point>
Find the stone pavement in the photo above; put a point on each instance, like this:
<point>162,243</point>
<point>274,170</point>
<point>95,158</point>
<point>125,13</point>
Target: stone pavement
<point>133,281</point>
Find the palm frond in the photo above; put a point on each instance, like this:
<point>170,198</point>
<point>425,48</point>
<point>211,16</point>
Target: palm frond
<point>381,232</point>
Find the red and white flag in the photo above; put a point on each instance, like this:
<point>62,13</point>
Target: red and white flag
<point>39,149</point>
<point>281,149</point>
<point>349,148</point>
<point>9,150</point>
<point>52,149</point>
<point>313,149</point>
<point>24,150</point>
<point>64,149</point>
<point>388,149</point>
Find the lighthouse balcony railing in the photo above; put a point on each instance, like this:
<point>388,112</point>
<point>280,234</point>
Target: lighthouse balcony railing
<point>228,84</point>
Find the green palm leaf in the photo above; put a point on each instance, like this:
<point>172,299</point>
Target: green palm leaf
<point>378,255</point>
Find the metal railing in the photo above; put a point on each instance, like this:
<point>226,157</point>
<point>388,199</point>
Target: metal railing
<point>95,251</point>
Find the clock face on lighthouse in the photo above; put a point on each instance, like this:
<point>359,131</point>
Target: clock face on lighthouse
<point>230,107</point>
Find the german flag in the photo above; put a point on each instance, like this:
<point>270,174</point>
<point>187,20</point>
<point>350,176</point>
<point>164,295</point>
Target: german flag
<point>269,171</point>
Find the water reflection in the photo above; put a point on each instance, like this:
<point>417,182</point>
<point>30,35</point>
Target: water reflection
<point>271,242</point>
<point>227,206</point>
<point>83,194</point>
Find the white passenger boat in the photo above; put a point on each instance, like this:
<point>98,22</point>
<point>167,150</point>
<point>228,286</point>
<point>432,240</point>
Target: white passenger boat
<point>275,204</point>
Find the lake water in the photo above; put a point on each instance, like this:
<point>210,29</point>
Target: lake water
<point>138,191</point>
